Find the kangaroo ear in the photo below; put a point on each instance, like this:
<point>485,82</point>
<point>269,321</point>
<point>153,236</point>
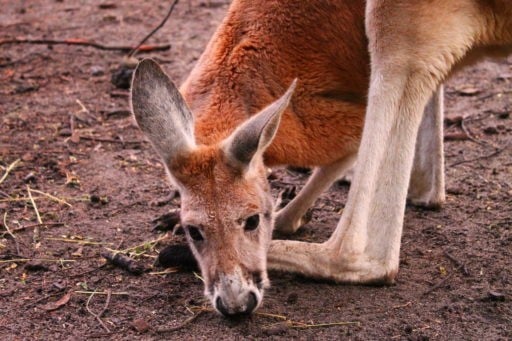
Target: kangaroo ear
<point>256,134</point>
<point>160,111</point>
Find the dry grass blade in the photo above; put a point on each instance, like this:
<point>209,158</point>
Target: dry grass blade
<point>37,259</point>
<point>140,249</point>
<point>51,197</point>
<point>9,169</point>
<point>165,272</point>
<point>181,325</point>
<point>9,232</point>
<point>120,293</point>
<point>105,307</point>
<point>78,241</point>
<point>300,325</point>
<point>39,220</point>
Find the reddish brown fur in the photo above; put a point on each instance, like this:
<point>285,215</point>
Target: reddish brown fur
<point>256,53</point>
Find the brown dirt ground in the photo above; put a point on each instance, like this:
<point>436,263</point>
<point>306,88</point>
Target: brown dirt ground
<point>455,279</point>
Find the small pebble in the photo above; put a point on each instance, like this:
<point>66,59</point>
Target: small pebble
<point>65,132</point>
<point>97,71</point>
<point>504,115</point>
<point>30,178</point>
<point>292,298</point>
<point>490,130</point>
<point>495,296</point>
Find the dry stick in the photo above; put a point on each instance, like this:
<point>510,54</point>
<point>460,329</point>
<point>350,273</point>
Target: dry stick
<point>135,49</point>
<point>496,152</point>
<point>12,235</point>
<point>85,42</point>
<point>101,139</point>
<point>98,316</point>
<point>36,228</point>
<point>9,169</point>
<point>457,263</point>
<point>442,282</point>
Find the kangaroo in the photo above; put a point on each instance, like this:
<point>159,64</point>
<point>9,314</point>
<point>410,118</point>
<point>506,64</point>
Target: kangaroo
<point>217,135</point>
<point>414,47</point>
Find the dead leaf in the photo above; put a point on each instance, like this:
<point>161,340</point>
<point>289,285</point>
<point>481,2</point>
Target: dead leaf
<point>468,91</point>
<point>56,305</point>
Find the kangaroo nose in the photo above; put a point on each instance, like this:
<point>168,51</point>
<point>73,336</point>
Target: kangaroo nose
<point>250,305</point>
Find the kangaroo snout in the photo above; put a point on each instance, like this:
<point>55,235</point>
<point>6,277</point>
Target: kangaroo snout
<point>245,305</point>
<point>236,295</point>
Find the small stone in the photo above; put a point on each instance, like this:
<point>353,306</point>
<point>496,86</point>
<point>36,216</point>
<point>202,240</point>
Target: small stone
<point>122,76</point>
<point>495,296</point>
<point>30,178</point>
<point>292,298</point>
<point>97,71</point>
<point>408,329</point>
<point>490,130</point>
<point>65,132</point>
<point>107,5</point>
<point>140,325</point>
<point>95,198</point>
<point>504,115</point>
<point>278,329</point>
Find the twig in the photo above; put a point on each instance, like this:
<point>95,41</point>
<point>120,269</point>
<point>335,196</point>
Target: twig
<point>457,263</point>
<point>82,107</point>
<point>36,228</point>
<point>470,135</point>
<point>88,43</point>
<point>9,169</point>
<point>181,325</point>
<point>12,235</point>
<point>98,316</point>
<point>102,139</point>
<point>123,262</point>
<point>441,283</point>
<point>496,152</point>
<point>138,47</point>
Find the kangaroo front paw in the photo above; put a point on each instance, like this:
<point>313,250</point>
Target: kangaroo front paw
<point>287,224</point>
<point>322,261</point>
<point>289,217</point>
<point>431,201</point>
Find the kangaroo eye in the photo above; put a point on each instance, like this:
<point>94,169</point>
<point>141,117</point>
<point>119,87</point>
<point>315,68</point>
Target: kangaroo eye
<point>194,233</point>
<point>252,222</point>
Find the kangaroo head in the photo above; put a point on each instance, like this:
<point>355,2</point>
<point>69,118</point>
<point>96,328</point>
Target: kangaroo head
<point>226,204</point>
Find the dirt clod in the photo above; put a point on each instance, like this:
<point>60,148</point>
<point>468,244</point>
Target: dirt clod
<point>140,325</point>
<point>35,265</point>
